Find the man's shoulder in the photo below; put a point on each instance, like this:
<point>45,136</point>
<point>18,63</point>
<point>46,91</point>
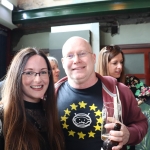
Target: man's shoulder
<point>60,82</point>
<point>110,83</point>
<point>107,79</point>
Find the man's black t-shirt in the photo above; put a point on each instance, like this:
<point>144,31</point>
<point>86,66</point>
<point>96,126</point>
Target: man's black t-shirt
<point>80,113</point>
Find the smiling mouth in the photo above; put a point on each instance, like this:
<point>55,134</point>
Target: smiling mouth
<point>36,86</point>
<point>79,68</point>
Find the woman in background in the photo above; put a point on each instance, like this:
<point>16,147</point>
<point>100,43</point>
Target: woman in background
<point>29,122</point>
<point>55,70</point>
<point>111,63</point>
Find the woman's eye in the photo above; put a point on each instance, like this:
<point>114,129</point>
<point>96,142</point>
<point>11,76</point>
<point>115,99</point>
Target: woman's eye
<point>43,72</point>
<point>29,73</point>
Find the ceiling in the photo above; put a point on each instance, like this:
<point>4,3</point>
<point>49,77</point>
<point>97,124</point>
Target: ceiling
<point>106,21</point>
<point>107,13</point>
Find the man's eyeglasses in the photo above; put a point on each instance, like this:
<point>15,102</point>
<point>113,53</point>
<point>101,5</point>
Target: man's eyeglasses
<point>80,55</point>
<point>31,74</point>
<point>110,48</point>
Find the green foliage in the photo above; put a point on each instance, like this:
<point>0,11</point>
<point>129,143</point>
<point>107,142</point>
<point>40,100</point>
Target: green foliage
<point>145,144</point>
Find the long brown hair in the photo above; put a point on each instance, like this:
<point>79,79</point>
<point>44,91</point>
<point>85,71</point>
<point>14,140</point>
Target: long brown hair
<point>105,55</point>
<point>18,132</point>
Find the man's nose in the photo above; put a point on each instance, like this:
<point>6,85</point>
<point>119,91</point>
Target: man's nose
<point>76,58</point>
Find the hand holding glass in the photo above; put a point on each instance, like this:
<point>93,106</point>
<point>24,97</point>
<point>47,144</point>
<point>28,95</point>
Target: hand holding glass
<point>110,113</point>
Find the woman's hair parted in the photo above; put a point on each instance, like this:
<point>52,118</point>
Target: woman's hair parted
<point>105,55</point>
<point>50,58</point>
<point>18,132</point>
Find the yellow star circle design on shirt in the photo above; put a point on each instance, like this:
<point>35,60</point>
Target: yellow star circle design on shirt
<point>99,120</point>
<point>93,107</point>
<point>71,133</point>
<point>97,127</point>
<point>81,135</point>
<point>67,112</point>
<point>64,118</point>
<point>82,104</point>
<point>65,126</point>
<point>74,108</point>
<point>98,113</point>
<point>91,134</point>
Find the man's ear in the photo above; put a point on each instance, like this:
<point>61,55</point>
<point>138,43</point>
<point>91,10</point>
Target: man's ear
<point>94,57</point>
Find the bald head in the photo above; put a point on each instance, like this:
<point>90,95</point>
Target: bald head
<point>74,42</point>
<point>78,62</point>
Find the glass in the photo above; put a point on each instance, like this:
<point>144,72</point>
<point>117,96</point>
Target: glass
<point>80,55</point>
<point>31,74</point>
<point>110,113</point>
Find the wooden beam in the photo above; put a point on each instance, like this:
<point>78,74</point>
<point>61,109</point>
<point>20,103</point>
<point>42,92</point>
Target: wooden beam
<point>98,8</point>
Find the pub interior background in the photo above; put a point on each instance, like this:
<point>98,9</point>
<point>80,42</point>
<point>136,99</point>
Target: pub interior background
<point>40,24</point>
<point>47,24</point>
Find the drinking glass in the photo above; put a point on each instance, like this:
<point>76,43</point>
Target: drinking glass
<point>110,113</point>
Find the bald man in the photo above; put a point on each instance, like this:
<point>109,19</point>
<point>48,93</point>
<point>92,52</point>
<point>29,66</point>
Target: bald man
<point>80,98</point>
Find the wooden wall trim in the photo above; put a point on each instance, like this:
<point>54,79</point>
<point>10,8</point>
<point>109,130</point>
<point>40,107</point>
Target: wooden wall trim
<point>137,51</point>
<point>131,46</point>
<point>136,46</point>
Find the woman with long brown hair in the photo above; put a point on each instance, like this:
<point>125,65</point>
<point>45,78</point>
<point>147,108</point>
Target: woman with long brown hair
<point>29,122</point>
<point>105,64</point>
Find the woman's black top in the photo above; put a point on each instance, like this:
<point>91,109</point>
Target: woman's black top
<point>36,115</point>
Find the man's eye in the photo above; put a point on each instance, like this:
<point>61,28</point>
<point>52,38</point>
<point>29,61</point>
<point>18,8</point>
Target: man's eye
<point>70,56</point>
<point>82,54</point>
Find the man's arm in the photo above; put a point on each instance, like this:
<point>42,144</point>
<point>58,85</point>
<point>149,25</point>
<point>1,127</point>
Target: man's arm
<point>133,118</point>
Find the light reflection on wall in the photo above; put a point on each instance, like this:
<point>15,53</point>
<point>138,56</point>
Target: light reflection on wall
<point>118,6</point>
